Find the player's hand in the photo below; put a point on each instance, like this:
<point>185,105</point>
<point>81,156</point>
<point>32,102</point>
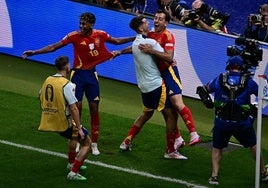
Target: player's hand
<point>81,133</point>
<point>146,48</point>
<point>116,53</point>
<point>174,62</point>
<point>27,53</point>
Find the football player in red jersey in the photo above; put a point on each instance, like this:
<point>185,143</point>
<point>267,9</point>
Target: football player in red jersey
<point>170,73</point>
<point>89,50</point>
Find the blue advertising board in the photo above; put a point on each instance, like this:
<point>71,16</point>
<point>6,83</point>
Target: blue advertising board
<point>30,25</point>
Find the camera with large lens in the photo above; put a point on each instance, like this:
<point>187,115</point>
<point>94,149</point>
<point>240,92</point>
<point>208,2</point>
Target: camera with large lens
<point>256,18</point>
<point>176,9</point>
<point>214,13</point>
<point>192,15</point>
<point>248,49</point>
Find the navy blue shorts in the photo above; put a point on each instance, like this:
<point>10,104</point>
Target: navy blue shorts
<point>172,80</point>
<point>87,83</point>
<point>156,99</point>
<point>72,133</point>
<point>223,131</point>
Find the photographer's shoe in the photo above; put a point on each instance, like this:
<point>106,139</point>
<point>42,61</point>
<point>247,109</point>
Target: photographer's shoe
<point>213,180</point>
<point>264,176</point>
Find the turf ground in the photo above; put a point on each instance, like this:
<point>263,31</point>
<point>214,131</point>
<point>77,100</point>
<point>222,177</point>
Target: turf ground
<point>30,158</point>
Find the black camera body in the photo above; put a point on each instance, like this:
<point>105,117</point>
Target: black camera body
<point>192,15</point>
<point>248,49</point>
<point>214,13</point>
<point>176,9</point>
<point>256,18</point>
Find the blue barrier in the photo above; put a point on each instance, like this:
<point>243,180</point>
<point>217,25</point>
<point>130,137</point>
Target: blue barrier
<point>200,55</point>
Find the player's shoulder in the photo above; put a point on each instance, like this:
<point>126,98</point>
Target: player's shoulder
<point>150,40</point>
<point>72,33</point>
<point>167,33</point>
<point>98,32</point>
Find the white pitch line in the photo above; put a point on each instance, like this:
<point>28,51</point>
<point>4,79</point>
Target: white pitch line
<point>97,163</point>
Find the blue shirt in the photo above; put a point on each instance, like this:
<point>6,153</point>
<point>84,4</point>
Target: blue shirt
<point>234,79</point>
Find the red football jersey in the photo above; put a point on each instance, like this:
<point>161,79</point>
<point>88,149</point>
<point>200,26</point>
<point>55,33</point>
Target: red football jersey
<point>167,41</point>
<point>89,50</point>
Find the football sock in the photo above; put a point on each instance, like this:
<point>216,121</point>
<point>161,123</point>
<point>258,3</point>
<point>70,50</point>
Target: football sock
<point>134,130</point>
<point>170,138</point>
<point>76,167</point>
<point>188,119</point>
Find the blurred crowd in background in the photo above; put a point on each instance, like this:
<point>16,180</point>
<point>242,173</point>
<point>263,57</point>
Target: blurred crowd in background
<point>236,17</point>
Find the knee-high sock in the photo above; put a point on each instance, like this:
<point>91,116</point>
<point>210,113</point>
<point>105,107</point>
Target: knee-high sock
<point>170,138</point>
<point>133,131</point>
<point>188,119</point>
<point>77,165</point>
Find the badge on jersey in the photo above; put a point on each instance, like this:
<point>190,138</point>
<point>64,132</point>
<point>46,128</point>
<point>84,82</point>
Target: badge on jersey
<point>91,46</point>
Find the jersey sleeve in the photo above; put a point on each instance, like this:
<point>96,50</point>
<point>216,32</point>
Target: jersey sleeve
<point>68,38</point>
<point>69,93</point>
<point>104,35</point>
<point>169,41</point>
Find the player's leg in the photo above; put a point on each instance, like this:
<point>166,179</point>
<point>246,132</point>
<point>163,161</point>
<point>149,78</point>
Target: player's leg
<point>135,129</point>
<point>215,160</point>
<point>77,77</point>
<point>75,162</point>
<point>174,87</point>
<point>171,124</point>
<point>92,93</point>
<point>187,117</point>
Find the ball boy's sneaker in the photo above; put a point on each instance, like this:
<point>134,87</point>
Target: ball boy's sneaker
<point>76,177</point>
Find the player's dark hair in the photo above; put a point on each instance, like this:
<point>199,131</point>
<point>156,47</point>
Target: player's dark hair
<point>136,22</point>
<point>167,16</point>
<point>88,17</point>
<point>61,62</point>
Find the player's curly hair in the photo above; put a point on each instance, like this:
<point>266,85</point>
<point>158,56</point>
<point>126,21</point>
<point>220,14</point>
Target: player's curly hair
<point>88,17</point>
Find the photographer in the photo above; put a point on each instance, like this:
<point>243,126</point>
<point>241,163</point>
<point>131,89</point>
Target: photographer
<point>258,25</point>
<point>176,8</point>
<point>234,114</point>
<point>205,17</point>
